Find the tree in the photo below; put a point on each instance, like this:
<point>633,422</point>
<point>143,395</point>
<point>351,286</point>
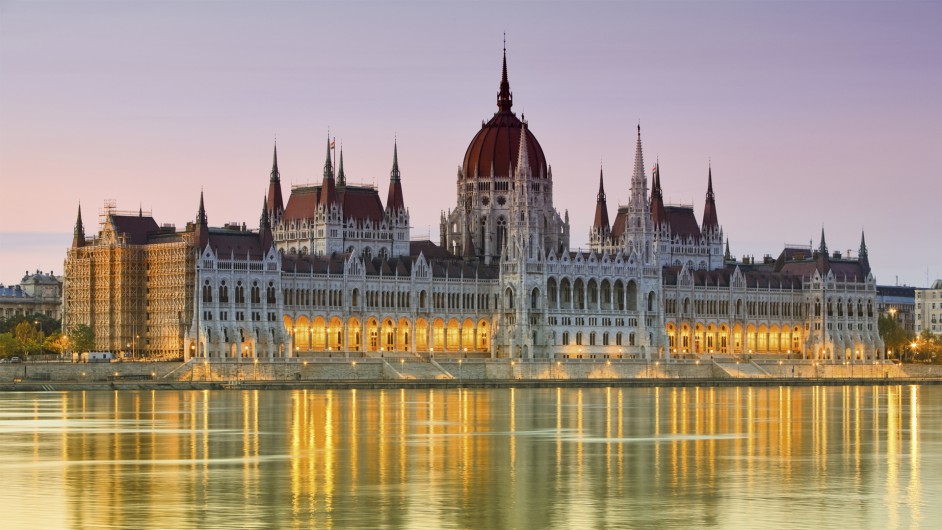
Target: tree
<point>57,342</point>
<point>29,337</point>
<point>927,347</point>
<point>894,336</point>
<point>83,338</point>
<point>8,345</point>
<point>46,323</point>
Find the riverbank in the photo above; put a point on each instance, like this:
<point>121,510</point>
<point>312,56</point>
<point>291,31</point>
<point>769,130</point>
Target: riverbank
<point>33,386</point>
<point>402,372</point>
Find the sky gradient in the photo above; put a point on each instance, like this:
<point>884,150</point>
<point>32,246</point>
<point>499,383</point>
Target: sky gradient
<point>813,114</point>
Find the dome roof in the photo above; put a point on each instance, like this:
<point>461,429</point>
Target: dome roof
<point>496,145</point>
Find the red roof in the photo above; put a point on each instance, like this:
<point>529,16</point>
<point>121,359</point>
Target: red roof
<point>497,144</point>
<point>359,203</point>
<point>682,221</point>
<point>135,228</point>
<point>362,203</point>
<point>228,242</point>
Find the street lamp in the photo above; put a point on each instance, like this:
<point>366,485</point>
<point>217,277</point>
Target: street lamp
<point>459,368</point>
<point>354,364</point>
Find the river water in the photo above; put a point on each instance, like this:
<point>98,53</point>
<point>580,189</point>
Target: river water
<point>839,457</point>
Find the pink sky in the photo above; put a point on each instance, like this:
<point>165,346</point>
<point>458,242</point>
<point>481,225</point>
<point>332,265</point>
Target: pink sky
<point>812,113</point>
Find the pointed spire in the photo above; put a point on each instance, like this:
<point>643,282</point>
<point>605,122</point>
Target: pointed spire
<point>523,155</point>
<point>328,166</point>
<point>264,227</point>
<point>275,203</point>
<point>202,226</point>
<point>275,174</point>
<point>504,97</point>
<point>341,176</point>
<point>328,195</point>
<point>201,214</point>
<point>394,173</point>
<point>638,179</point>
<point>264,221</point>
<point>78,236</point>
<point>140,211</point>
<point>823,246</point>
<point>394,199</point>
<point>727,256</point>
<point>710,221</point>
<point>862,253</point>
<point>658,213</point>
<point>601,224</point>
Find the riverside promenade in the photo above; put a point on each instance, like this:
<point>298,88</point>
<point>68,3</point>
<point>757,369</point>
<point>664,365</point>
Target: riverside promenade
<point>415,372</point>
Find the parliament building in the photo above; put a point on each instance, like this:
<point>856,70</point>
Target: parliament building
<point>334,272</point>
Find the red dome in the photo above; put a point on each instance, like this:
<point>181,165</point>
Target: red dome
<point>497,143</point>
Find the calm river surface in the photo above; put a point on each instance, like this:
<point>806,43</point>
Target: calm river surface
<point>851,457</point>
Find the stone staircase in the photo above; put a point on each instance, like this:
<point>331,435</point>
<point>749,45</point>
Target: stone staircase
<point>737,370</point>
<point>419,369</point>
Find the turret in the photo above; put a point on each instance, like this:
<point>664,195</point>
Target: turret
<point>862,257</point>
<point>264,227</point>
<point>328,194</point>
<point>341,176</point>
<point>202,226</point>
<point>601,225</point>
<point>394,200</point>
<point>274,203</point>
<point>822,259</point>
<point>658,213</point>
<point>710,222</point>
<point>78,236</point>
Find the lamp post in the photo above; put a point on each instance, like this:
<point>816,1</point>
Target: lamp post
<point>354,364</point>
<point>459,369</point>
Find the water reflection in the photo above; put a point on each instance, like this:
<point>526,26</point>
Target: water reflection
<point>512,458</point>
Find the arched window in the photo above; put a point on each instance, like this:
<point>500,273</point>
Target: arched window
<point>501,236</point>
<point>632,296</point>
<point>535,299</point>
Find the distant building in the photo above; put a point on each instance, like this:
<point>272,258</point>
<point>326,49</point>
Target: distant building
<point>898,303</point>
<point>37,293</point>
<point>929,308</point>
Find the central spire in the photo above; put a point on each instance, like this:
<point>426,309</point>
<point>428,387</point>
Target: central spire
<point>504,97</point>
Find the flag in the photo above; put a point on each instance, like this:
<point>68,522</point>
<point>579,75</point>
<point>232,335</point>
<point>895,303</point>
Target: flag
<point>333,143</point>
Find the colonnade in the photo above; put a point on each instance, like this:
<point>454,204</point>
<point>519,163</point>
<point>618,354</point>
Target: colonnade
<point>378,334</point>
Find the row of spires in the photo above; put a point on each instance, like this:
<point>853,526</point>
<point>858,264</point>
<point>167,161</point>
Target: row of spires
<point>658,212</point>
<point>329,185</point>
